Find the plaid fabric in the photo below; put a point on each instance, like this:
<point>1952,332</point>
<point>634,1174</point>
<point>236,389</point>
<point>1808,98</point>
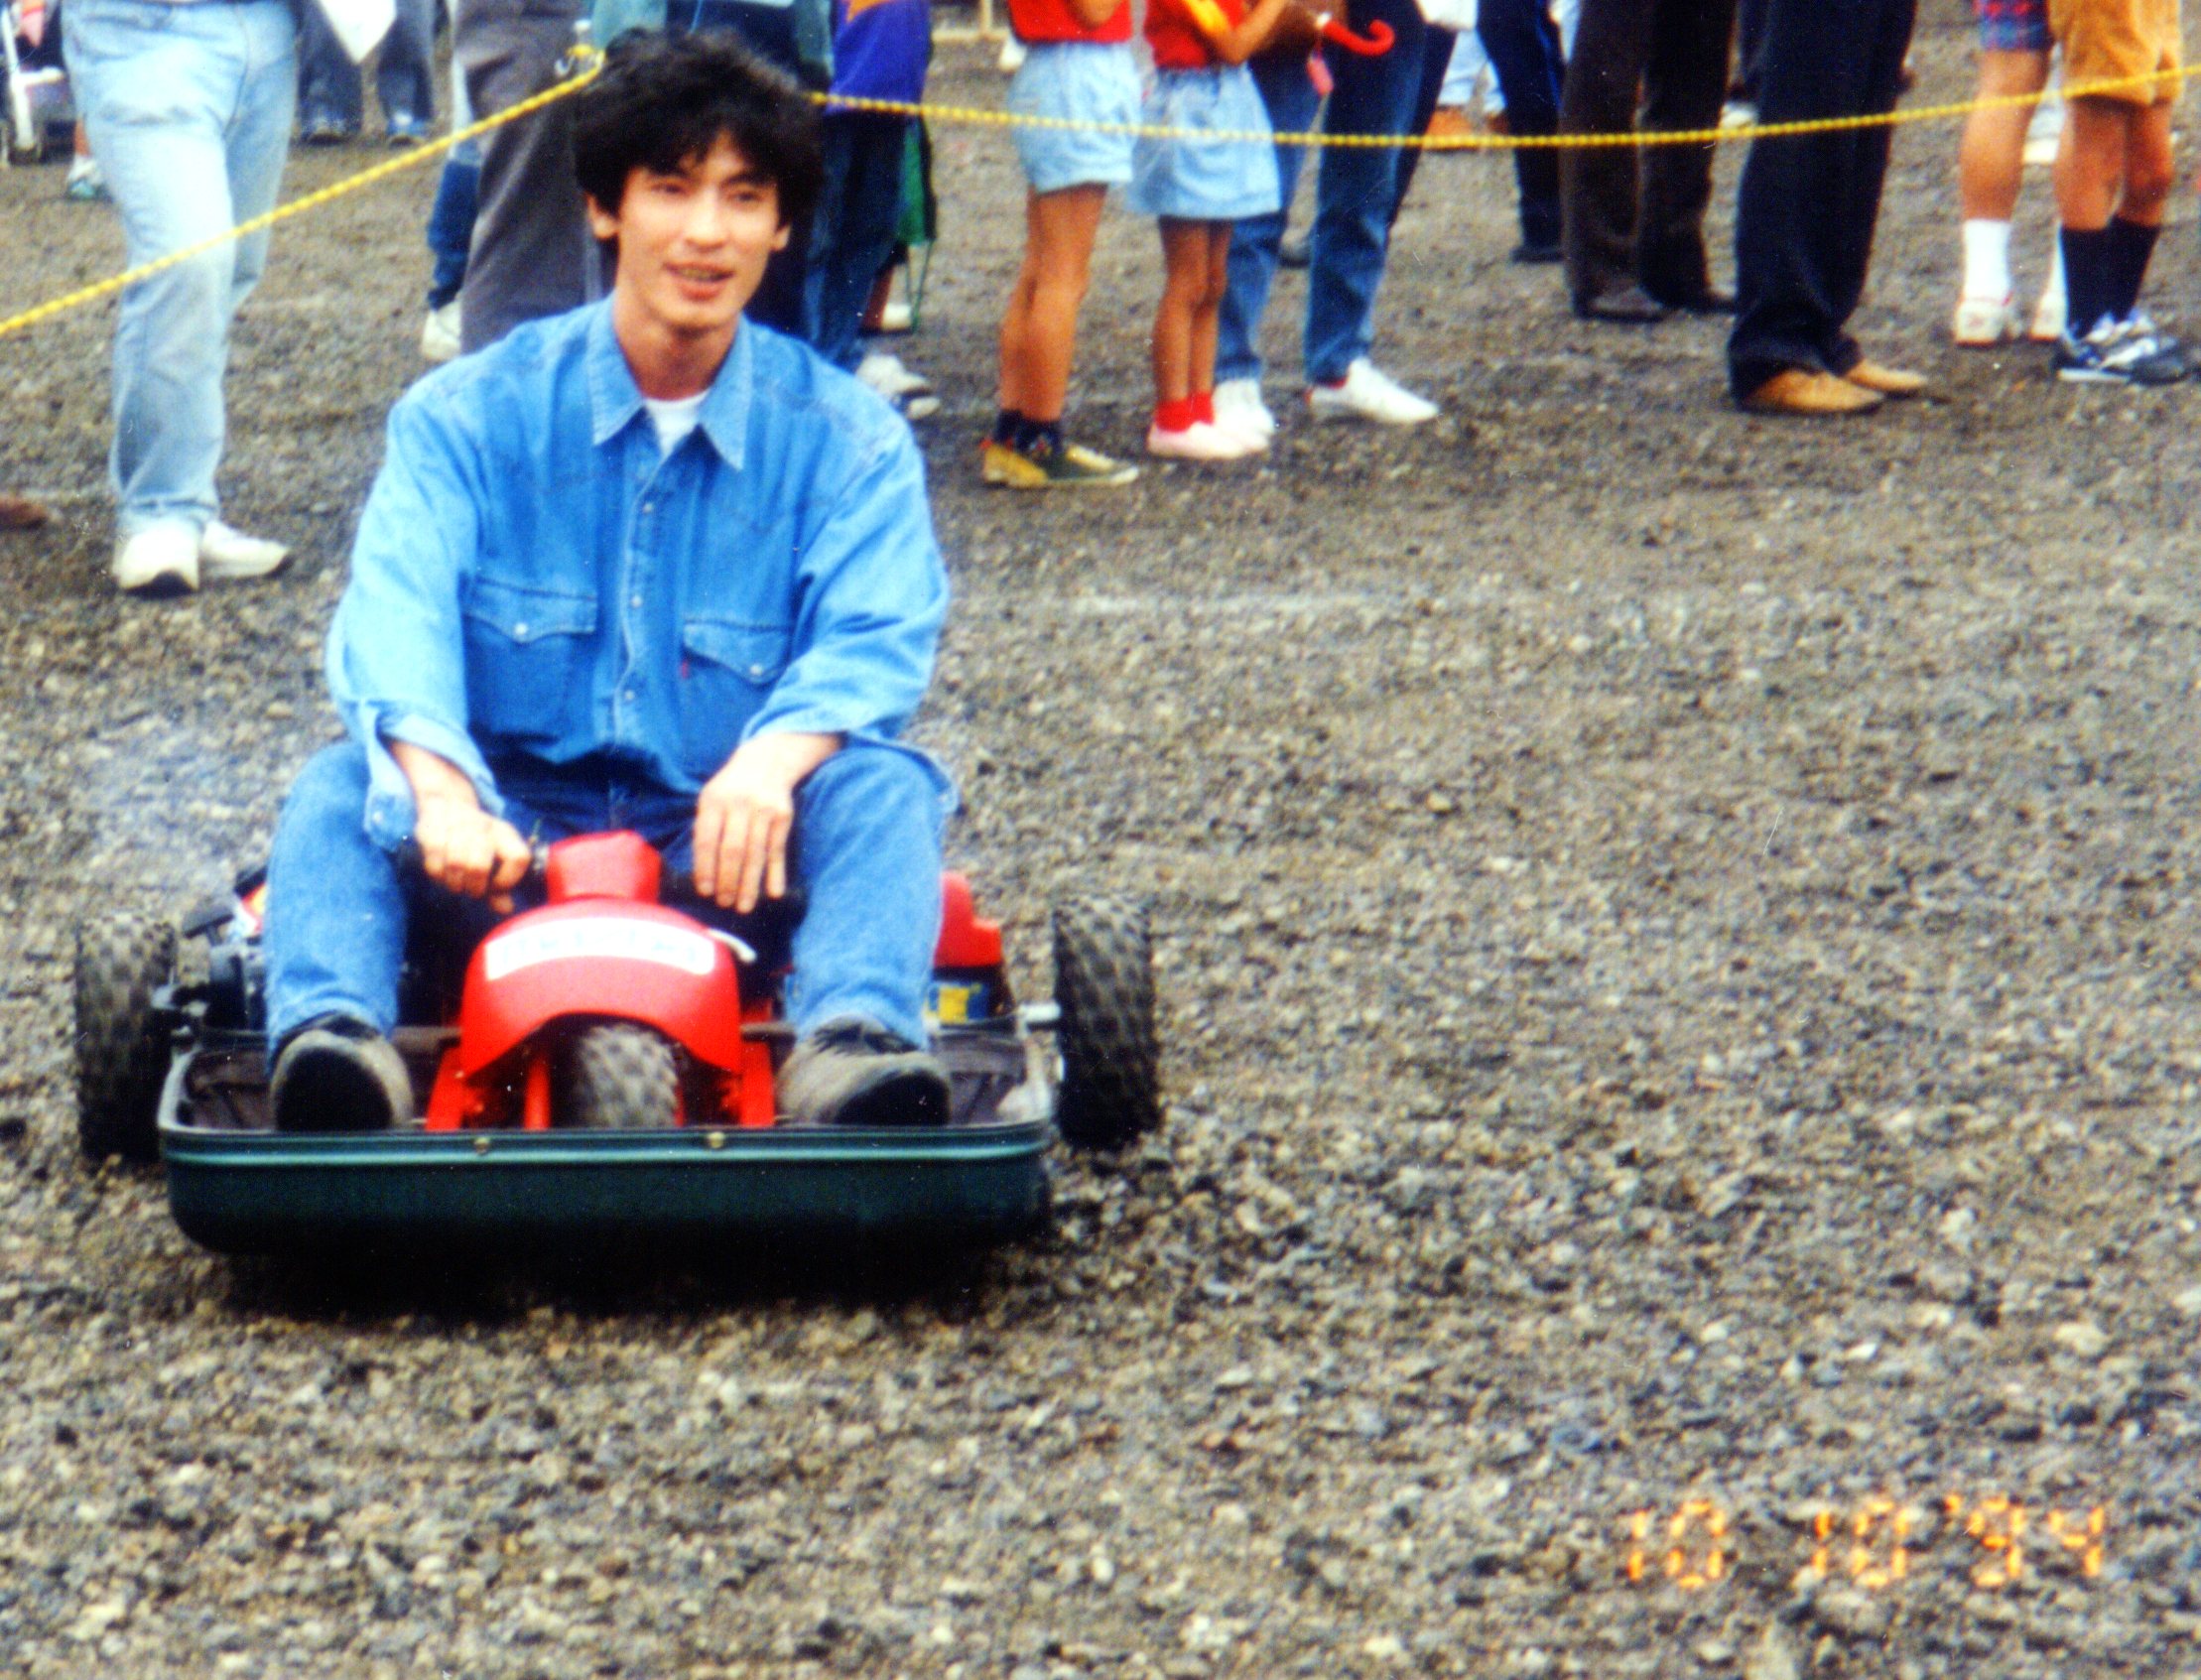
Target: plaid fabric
<point>2013,26</point>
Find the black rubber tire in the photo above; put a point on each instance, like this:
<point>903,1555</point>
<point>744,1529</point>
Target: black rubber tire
<point>122,1042</point>
<point>1112,1084</point>
<point>617,1076</point>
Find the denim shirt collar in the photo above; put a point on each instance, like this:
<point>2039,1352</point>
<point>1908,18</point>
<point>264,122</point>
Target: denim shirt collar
<point>614,399</point>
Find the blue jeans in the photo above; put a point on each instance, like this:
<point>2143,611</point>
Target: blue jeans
<point>329,83</point>
<point>189,112</point>
<point>1289,93</point>
<point>864,852</point>
<point>852,230</point>
<point>1357,188</point>
<point>451,223</point>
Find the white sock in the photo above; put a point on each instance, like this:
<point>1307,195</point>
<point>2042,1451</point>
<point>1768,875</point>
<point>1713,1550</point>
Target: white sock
<point>1987,259</point>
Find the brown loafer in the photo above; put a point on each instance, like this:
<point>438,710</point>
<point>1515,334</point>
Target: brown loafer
<point>1887,381</point>
<point>1797,390</point>
<point>20,513</point>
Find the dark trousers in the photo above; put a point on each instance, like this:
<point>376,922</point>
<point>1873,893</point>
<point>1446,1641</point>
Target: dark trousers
<point>1674,54</point>
<point>1803,231</point>
<point>1523,45</point>
<point>533,255</point>
<point>1750,45</point>
<point>329,84</point>
<point>853,228</point>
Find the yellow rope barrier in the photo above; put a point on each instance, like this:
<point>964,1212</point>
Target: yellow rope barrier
<point>980,116</point>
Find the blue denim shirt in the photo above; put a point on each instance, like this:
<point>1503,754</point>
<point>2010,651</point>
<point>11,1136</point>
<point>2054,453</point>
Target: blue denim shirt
<point>534,576</point>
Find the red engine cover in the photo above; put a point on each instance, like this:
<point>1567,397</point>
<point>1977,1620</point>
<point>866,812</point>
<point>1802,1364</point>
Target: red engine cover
<point>967,940</point>
<point>638,961</point>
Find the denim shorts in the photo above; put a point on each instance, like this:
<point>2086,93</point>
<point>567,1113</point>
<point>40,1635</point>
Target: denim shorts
<point>1076,82</point>
<point>2013,26</point>
<point>1205,180</point>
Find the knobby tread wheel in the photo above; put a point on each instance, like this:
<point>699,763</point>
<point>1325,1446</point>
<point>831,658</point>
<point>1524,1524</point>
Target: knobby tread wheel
<point>122,1041</point>
<point>1112,1091</point>
<point>617,1076</point>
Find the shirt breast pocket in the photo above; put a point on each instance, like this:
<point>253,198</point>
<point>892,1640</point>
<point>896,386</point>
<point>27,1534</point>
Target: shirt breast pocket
<point>529,652</point>
<point>727,668</point>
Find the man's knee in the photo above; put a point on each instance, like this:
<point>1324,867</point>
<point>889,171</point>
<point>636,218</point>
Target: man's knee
<point>884,783</point>
<point>332,787</point>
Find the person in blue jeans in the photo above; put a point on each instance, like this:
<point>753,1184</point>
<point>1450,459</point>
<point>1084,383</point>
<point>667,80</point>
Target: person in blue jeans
<point>1355,193</point>
<point>643,563</point>
<point>188,107</point>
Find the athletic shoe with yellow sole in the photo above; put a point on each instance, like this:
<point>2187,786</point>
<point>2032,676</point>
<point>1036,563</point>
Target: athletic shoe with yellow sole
<point>1045,466</point>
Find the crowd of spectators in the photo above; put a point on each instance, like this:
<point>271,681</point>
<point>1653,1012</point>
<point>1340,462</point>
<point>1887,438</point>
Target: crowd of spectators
<point>189,108</point>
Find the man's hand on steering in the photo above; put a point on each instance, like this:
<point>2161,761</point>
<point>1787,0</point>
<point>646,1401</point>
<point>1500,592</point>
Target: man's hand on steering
<point>463,848</point>
<point>745,813</point>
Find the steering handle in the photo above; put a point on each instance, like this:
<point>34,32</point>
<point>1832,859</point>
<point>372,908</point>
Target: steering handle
<point>1373,44</point>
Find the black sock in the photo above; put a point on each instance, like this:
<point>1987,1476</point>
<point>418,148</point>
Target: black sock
<point>1007,424</point>
<point>1044,436</point>
<point>2086,277</point>
<point>2131,244</point>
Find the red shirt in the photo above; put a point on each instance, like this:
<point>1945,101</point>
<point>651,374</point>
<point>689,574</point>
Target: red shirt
<point>1036,21</point>
<point>1179,44</point>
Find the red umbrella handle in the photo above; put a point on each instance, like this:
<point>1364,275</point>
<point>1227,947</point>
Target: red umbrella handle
<point>1373,44</point>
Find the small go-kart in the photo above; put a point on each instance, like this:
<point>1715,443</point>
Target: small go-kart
<point>605,1074</point>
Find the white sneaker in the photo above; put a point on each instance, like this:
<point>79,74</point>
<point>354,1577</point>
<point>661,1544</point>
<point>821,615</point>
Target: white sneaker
<point>1200,442</point>
<point>896,317</point>
<point>226,555</point>
<point>160,560</point>
<point>1238,407</point>
<point>1012,55</point>
<point>440,333</point>
<point>912,393</point>
<point>1368,393</point>
<point>2048,317</point>
<point>1983,322</point>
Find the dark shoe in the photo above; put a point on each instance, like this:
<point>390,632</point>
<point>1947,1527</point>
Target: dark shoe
<point>855,1073</point>
<point>1631,306</point>
<point>404,131</point>
<point>324,131</point>
<point>1535,251</point>
<point>20,513</point>
<point>1711,301</point>
<point>1295,252</point>
<point>339,1075</point>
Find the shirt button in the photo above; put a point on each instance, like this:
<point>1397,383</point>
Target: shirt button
<point>756,671</point>
<point>634,694</point>
<point>519,630</point>
<point>649,507</point>
<point>636,603</point>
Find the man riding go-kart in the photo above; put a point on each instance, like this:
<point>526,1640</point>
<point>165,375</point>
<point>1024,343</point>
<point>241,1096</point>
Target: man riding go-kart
<point>642,567</point>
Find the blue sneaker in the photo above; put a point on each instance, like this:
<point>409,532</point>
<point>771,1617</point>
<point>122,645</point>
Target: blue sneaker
<point>2120,352</point>
<point>404,131</point>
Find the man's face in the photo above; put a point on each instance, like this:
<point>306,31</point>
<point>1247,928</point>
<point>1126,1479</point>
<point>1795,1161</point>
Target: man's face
<point>692,244</point>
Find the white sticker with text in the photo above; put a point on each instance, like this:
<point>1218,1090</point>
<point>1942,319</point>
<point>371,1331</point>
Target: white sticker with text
<point>597,937</point>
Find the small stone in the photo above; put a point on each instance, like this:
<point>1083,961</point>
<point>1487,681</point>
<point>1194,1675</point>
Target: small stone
<point>1850,1614</point>
<point>2082,1336</point>
<point>2189,1303</point>
<point>1384,1647</point>
<point>1771,1658</point>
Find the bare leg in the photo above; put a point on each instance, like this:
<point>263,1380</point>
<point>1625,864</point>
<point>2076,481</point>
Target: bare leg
<point>1990,160</point>
<point>1208,316</point>
<point>1039,334</point>
<point>1185,287</point>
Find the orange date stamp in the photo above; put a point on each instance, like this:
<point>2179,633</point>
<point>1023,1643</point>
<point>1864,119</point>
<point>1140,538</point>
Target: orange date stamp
<point>1876,1544</point>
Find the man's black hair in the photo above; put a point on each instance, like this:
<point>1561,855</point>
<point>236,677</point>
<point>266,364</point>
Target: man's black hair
<point>662,102</point>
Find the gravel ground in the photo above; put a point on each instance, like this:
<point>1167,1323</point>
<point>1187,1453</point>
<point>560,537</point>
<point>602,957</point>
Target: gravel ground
<point>1679,998</point>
